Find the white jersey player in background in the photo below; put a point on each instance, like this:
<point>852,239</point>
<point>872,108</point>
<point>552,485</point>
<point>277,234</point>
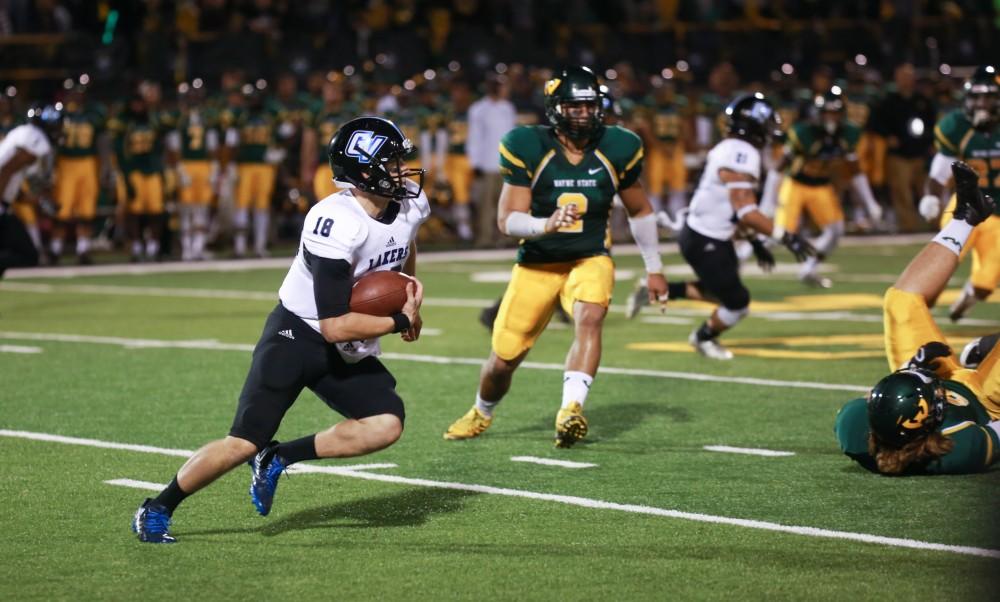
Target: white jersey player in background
<point>725,200</point>
<point>312,339</point>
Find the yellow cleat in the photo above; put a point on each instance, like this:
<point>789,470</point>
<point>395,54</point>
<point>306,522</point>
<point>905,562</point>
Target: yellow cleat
<point>471,425</point>
<point>571,425</point>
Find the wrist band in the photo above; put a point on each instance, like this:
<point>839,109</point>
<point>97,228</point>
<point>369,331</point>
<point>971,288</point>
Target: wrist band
<point>400,322</point>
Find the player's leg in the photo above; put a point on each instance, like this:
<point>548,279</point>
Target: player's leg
<point>459,174</point>
<point>524,312</point>
<point>824,208</point>
<point>86,209</point>
<point>677,180</point>
<point>153,183</point>
<point>16,247</point>
<point>587,293</point>
<point>133,213</point>
<point>274,381</point>
<point>985,274</point>
<point>717,267</point>
<point>241,214</point>
<point>262,208</point>
<point>65,195</point>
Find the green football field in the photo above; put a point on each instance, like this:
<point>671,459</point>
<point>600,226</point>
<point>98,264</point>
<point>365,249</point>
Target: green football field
<point>108,381</point>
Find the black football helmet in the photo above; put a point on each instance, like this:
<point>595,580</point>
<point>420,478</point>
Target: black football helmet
<point>574,85</point>
<point>370,154</point>
<point>905,406</point>
<point>982,97</point>
<point>752,117</point>
<point>47,118</point>
<point>830,109</point>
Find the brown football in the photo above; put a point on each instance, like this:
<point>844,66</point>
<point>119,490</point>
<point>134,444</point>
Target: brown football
<point>380,293</point>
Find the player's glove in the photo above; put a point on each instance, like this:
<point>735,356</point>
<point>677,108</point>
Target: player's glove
<point>765,259</point>
<point>928,356</point>
<point>972,205</point>
<point>930,207</point>
<point>799,246</point>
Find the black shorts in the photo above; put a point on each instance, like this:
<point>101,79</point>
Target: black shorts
<point>715,263</point>
<point>291,356</point>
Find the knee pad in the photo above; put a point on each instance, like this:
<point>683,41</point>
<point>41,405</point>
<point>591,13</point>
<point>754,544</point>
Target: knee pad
<point>730,317</point>
<point>827,241</point>
<point>735,299</point>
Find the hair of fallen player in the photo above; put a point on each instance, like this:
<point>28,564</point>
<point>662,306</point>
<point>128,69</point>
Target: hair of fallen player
<point>895,460</point>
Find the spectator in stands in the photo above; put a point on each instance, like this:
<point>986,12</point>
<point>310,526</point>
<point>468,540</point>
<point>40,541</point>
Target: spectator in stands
<point>490,118</point>
<point>905,118</point>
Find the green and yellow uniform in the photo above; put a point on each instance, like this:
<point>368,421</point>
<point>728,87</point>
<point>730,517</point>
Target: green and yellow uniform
<point>76,186</point>
<point>326,123</point>
<point>809,186</point>
<point>955,138</point>
<point>199,138</point>
<point>257,129</point>
<point>457,169</point>
<point>573,264</point>
<point>665,168</point>
<point>139,148</point>
<point>965,423</point>
<point>409,121</point>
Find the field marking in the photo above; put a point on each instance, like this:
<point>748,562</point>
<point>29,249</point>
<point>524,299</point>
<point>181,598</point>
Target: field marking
<point>561,499</point>
<point>134,484</point>
<point>19,349</point>
<point>666,320</point>
<point>432,359</point>
<point>551,462</point>
<point>750,451</point>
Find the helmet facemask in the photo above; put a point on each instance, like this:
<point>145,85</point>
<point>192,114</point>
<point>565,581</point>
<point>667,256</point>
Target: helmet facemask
<point>580,119</point>
<point>386,175</point>
<point>982,105</point>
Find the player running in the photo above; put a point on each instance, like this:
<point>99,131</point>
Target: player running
<point>932,416</point>
<point>971,134</point>
<point>312,339</point>
<point>559,182</point>
<point>725,200</point>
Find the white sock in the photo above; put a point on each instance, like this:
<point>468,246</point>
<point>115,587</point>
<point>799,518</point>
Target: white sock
<point>240,243</point>
<point>576,385</point>
<point>485,407</point>
<point>137,248</point>
<point>82,244</point>
<point>152,248</point>
<point>809,266</point>
<point>57,246</point>
<point>261,224</point>
<point>954,235</point>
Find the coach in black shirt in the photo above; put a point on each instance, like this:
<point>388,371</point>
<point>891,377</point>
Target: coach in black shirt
<point>905,118</point>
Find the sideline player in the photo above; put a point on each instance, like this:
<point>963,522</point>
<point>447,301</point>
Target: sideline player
<point>559,182</point>
<point>932,416</point>
<point>971,134</point>
<point>312,339</point>
<point>24,148</point>
<point>725,199</point>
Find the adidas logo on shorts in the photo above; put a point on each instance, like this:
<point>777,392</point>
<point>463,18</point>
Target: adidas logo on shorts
<point>287,334</point>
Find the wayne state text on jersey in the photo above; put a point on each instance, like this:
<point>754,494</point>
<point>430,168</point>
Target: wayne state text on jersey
<point>571,183</point>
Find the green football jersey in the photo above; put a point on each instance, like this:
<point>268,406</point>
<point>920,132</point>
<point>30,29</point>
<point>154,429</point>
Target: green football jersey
<point>666,120</point>
<point>80,131</point>
<point>328,120</point>
<point>138,142</point>
<point>194,127</point>
<point>965,423</point>
<point>257,130</point>
<point>955,137</point>
<point>458,130</point>
<point>814,151</point>
<point>409,120</point>
<point>532,156</point>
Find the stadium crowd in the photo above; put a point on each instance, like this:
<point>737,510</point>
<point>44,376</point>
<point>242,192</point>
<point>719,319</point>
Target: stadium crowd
<point>204,124</point>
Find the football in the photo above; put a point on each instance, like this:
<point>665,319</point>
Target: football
<point>380,293</point>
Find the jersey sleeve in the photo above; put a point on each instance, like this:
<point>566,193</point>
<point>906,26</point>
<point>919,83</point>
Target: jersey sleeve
<point>797,139</point>
<point>631,159</point>
<point>976,447</point>
<point>35,142</point>
<point>851,136</point>
<point>740,157</point>
<point>332,234</point>
<point>851,428</point>
<point>948,135</point>
<point>515,156</point>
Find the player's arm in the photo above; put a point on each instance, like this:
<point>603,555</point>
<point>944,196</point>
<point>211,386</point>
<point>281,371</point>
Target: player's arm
<point>859,181</point>
<point>642,224</point>
<point>975,448</point>
<point>743,198</point>
<point>21,159</point>
<point>936,188</point>
<point>332,281</point>
<point>514,214</point>
<point>416,321</point>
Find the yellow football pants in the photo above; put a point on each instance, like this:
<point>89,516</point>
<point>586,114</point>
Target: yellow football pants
<point>76,187</point>
<point>198,191</point>
<point>820,202</point>
<point>985,245</point>
<point>255,186</point>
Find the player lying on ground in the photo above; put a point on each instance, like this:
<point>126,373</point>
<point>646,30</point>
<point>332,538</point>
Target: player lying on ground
<point>932,415</point>
<point>559,182</point>
<point>312,339</point>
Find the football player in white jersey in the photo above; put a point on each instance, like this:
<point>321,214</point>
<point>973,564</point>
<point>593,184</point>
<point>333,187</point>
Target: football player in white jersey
<point>726,198</point>
<point>312,339</point>
<point>23,149</point>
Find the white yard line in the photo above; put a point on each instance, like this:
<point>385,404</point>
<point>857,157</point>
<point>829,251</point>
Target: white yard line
<point>563,499</point>
<point>429,359</point>
<point>19,349</point>
<point>750,451</point>
<point>134,484</point>
<point>551,462</point>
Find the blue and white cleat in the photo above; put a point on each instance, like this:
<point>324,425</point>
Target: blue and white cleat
<point>265,469</point>
<point>152,523</point>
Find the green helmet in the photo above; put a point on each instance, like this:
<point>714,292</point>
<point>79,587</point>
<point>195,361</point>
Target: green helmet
<point>832,101</point>
<point>569,86</point>
<point>906,405</point>
<point>982,97</point>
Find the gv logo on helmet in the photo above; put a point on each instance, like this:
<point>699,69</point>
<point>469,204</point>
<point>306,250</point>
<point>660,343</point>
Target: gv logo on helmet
<point>363,145</point>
